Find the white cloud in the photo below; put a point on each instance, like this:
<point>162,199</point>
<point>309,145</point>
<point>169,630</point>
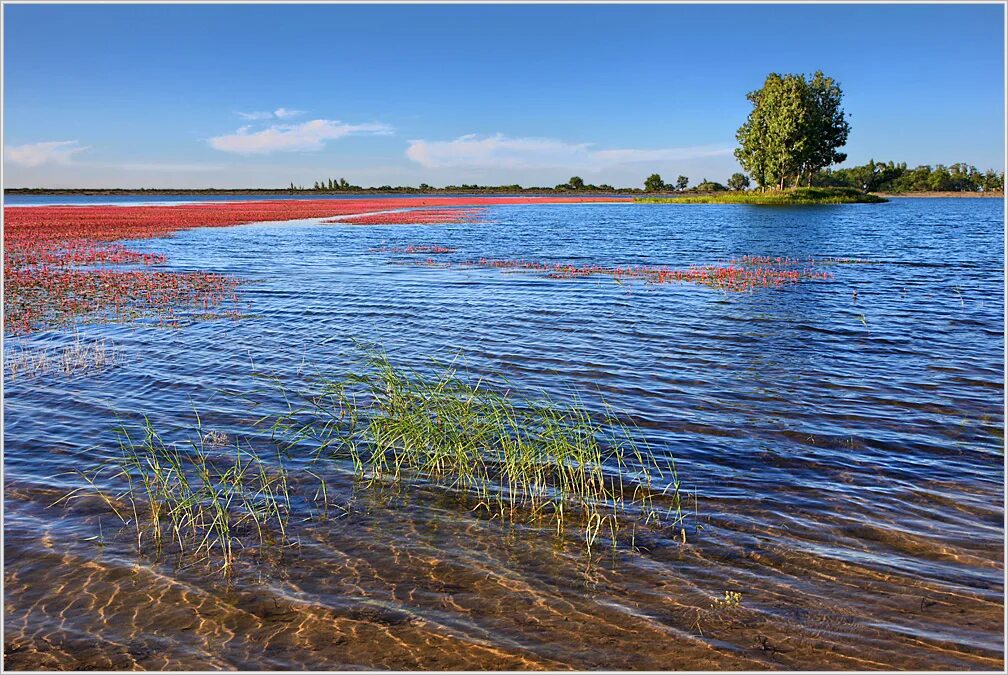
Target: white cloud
<point>255,115</point>
<point>310,135</point>
<point>279,113</point>
<point>282,113</point>
<point>499,151</point>
<point>37,154</point>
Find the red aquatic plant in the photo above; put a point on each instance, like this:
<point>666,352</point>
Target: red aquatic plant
<point>64,262</point>
<point>729,277</point>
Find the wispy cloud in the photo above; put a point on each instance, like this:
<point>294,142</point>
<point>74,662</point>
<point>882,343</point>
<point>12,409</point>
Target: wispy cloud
<point>37,154</point>
<point>278,114</point>
<point>310,135</point>
<point>500,151</point>
<point>283,113</point>
<point>63,153</point>
<point>254,115</point>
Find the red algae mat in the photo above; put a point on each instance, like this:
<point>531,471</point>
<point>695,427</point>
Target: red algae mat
<point>64,262</point>
<point>108,223</point>
<point>745,274</point>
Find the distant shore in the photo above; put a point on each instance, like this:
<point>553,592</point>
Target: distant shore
<point>801,196</point>
<point>969,195</point>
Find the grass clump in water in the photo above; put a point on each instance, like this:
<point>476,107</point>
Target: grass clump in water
<point>537,461</point>
<point>518,459</point>
<point>800,196</point>
<point>77,358</point>
<point>206,501</point>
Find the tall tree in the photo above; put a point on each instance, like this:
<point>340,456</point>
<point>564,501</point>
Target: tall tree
<point>738,181</point>
<point>654,183</point>
<point>826,129</point>
<point>794,130</point>
<point>681,183</point>
<point>576,183</point>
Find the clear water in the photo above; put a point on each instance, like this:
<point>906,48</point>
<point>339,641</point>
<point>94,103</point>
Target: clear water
<point>846,453</point>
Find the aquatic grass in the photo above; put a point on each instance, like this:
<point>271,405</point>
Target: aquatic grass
<point>78,358</point>
<point>534,460</point>
<point>205,500</point>
<point>523,460</point>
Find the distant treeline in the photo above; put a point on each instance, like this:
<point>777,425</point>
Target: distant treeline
<point>575,184</point>
<point>871,177</point>
<point>890,177</point>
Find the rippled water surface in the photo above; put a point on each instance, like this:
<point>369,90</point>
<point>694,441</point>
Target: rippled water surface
<point>846,453</point>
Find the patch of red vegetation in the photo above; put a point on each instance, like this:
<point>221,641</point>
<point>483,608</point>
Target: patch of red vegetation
<point>111,223</point>
<point>72,252</point>
<point>53,296</point>
<point>57,258</point>
<point>730,277</point>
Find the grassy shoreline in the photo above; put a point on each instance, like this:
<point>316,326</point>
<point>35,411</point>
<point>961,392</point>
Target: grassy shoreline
<point>944,194</point>
<point>794,196</point>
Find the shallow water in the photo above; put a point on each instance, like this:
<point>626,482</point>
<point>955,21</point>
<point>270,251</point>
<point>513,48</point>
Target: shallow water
<point>846,453</point>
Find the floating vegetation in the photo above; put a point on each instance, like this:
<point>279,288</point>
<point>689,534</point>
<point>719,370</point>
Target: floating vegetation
<point>114,223</point>
<point>192,496</point>
<point>758,260</point>
<point>744,275</point>
<point>534,461</point>
<point>216,438</point>
<point>62,262</point>
<point>414,249</point>
<point>58,271</point>
<point>56,296</point>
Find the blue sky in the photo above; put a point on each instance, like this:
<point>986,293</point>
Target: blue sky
<point>260,95</point>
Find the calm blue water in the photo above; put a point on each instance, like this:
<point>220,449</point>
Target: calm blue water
<point>846,452</point>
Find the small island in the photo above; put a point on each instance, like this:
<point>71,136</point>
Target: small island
<point>799,196</point>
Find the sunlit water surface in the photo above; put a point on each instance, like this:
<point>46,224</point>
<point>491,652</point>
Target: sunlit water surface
<point>845,453</point>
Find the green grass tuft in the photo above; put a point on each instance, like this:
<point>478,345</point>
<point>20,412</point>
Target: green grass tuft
<point>515,458</point>
<point>533,461</point>
<point>208,502</point>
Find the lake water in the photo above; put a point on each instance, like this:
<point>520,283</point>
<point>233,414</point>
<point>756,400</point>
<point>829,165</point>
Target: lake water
<point>845,453</point>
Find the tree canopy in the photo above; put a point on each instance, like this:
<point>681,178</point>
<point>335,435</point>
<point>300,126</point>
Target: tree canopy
<point>654,183</point>
<point>738,181</point>
<point>892,177</point>
<point>795,129</point>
